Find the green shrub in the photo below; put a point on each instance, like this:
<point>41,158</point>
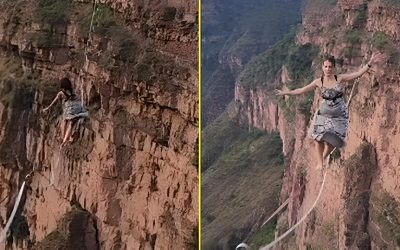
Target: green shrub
<point>54,12</point>
<point>47,39</point>
<point>17,88</point>
<point>168,13</point>
<point>385,213</point>
<point>104,19</point>
<point>15,22</point>
<point>392,2</point>
<point>329,229</point>
<point>361,18</point>
<point>121,44</point>
<point>380,40</point>
<point>299,63</point>
<point>264,236</point>
<point>289,109</point>
<point>19,227</point>
<point>329,3</point>
<point>304,105</point>
<point>353,36</point>
<point>263,68</point>
<point>348,52</point>
<point>125,47</point>
<point>336,154</point>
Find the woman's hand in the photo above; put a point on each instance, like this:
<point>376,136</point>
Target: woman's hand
<point>377,58</point>
<point>280,92</point>
<point>45,110</point>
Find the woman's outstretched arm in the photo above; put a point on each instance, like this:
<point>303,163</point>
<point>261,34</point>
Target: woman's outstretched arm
<point>375,58</point>
<point>59,96</point>
<point>299,91</point>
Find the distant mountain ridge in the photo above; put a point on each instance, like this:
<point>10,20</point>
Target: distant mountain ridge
<point>232,33</point>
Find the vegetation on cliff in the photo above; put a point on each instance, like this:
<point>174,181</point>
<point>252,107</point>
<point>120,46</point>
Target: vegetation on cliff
<point>242,172</point>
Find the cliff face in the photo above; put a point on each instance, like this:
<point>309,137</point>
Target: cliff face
<point>359,205</point>
<point>129,179</point>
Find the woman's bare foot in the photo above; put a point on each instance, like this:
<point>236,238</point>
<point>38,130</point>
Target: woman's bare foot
<point>327,160</point>
<point>71,139</point>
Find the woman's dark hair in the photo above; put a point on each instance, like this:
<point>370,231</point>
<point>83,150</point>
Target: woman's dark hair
<point>330,59</point>
<point>66,86</point>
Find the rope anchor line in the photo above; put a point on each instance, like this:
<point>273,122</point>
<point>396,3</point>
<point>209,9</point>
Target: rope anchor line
<point>14,211</point>
<point>86,49</point>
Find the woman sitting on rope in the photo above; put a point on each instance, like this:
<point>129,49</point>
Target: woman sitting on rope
<point>331,122</point>
<point>73,109</point>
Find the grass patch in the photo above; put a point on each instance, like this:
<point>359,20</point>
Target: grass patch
<point>353,36</point>
<point>263,237</point>
<point>288,108</point>
<point>47,39</point>
<point>322,3</point>
<point>17,88</point>
<point>104,19</point>
<point>263,69</point>
<point>296,105</point>
<point>361,18</point>
<point>19,227</point>
<point>392,2</point>
<point>54,12</point>
<point>301,174</point>
<point>299,63</point>
<point>225,137</point>
<point>336,154</point>
<point>328,228</point>
<point>385,213</point>
<point>253,143</point>
<point>70,232</point>
<point>353,39</point>
<point>124,46</point>
<point>118,45</point>
<point>313,247</point>
<point>224,133</point>
<point>382,42</point>
<point>304,104</point>
<point>218,136</point>
<point>356,160</point>
<point>238,163</point>
<point>17,91</point>
<point>261,27</point>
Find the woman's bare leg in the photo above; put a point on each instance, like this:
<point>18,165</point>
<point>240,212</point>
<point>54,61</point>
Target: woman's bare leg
<point>319,146</point>
<point>73,125</point>
<point>67,132</point>
<point>328,149</point>
<point>63,126</point>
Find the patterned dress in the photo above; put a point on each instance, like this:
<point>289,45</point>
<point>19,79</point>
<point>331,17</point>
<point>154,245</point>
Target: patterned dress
<point>332,119</point>
<point>73,108</point>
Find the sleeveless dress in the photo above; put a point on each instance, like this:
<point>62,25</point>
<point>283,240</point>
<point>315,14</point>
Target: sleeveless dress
<point>73,108</point>
<point>332,119</point>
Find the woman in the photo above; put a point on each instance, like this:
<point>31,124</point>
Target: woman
<point>72,110</point>
<point>332,119</point>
